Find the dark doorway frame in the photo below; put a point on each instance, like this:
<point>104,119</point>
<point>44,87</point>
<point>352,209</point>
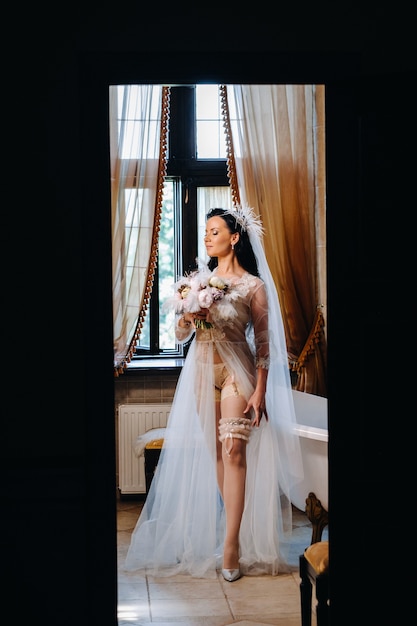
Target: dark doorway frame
<point>349,100</point>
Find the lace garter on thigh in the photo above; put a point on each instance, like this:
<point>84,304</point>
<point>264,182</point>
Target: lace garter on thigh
<point>233,428</point>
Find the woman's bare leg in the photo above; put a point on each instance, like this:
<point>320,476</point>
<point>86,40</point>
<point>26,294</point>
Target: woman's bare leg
<point>234,500</point>
<point>233,453</point>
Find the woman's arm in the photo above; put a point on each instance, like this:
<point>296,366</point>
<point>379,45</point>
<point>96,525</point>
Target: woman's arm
<point>183,328</point>
<point>259,312</point>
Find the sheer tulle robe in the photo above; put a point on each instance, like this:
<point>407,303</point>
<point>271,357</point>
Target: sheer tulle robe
<point>181,526</point>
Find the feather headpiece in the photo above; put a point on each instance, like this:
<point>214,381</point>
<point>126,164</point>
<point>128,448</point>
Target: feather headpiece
<point>247,220</point>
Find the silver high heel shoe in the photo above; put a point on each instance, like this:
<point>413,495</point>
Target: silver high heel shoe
<point>231,574</point>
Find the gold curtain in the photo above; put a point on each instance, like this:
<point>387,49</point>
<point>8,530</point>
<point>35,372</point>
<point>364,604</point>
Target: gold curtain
<point>138,145</point>
<point>277,134</point>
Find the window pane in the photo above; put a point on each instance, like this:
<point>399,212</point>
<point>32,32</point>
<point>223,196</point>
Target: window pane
<point>144,340</point>
<point>209,125</point>
<point>207,102</point>
<point>139,126</point>
<point>167,275</point>
<point>167,267</point>
<point>210,140</point>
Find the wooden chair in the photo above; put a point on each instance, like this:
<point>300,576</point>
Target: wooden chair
<point>314,571</point>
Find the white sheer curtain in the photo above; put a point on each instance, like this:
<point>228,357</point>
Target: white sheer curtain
<point>278,143</point>
<point>208,198</point>
<point>138,135</point>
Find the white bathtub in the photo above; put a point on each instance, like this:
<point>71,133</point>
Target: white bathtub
<point>312,428</point>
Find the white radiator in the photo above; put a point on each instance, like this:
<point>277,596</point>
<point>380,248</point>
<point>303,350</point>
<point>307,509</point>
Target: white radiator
<point>135,420</point>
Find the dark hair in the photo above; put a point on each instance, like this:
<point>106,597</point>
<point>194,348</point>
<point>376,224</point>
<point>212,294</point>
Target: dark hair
<point>243,248</point>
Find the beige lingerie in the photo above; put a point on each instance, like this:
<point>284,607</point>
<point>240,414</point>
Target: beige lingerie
<point>229,427</point>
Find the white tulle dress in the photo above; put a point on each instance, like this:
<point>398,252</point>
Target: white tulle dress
<point>181,526</point>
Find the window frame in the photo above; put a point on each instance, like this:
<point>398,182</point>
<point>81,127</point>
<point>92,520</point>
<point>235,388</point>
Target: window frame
<point>189,173</point>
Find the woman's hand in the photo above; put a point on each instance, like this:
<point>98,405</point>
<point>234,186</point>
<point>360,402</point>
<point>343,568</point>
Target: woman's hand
<point>194,319</point>
<point>257,403</point>
<point>189,318</point>
<point>257,399</point>
<point>202,315</point>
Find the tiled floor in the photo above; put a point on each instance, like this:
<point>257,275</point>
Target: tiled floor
<point>185,601</point>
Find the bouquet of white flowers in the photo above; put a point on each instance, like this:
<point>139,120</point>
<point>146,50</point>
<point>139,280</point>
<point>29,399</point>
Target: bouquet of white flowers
<point>202,289</point>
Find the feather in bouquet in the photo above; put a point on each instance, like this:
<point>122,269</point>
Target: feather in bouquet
<point>202,289</point>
